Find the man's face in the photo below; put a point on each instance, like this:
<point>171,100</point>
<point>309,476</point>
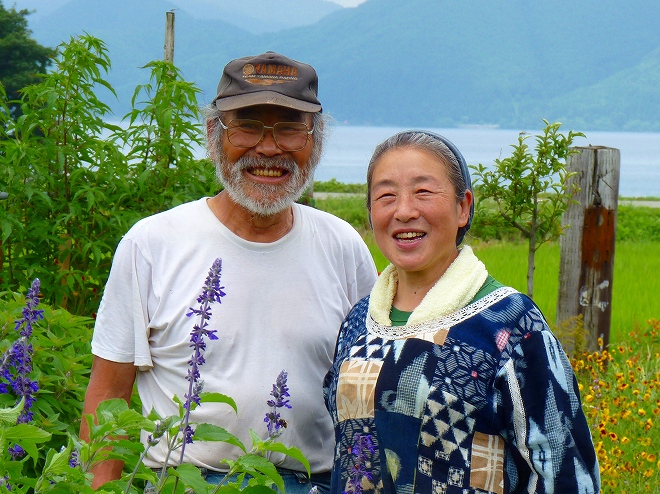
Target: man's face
<point>264,179</point>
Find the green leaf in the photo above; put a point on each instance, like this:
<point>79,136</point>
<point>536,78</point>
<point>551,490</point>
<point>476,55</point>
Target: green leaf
<point>57,463</point>
<point>27,432</point>
<point>191,477</point>
<point>218,398</point>
<point>132,419</point>
<point>258,489</point>
<point>8,416</point>
<point>111,407</point>
<point>291,451</point>
<point>209,432</point>
<point>256,464</point>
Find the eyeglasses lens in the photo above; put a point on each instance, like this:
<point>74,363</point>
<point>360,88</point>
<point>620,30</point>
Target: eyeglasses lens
<point>289,136</point>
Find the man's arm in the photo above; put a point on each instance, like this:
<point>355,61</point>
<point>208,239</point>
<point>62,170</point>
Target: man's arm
<point>108,380</point>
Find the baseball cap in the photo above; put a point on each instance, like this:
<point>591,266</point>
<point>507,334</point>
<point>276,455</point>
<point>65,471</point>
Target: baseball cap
<point>268,79</point>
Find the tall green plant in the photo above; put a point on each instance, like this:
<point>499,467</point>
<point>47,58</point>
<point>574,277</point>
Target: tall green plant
<point>531,191</point>
<point>40,454</point>
<point>76,183</point>
<point>64,181</point>
<point>160,138</point>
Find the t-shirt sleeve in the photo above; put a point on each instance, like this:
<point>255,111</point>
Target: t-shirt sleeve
<point>121,331</point>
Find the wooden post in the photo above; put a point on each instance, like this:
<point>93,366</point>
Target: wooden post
<point>169,37</point>
<point>587,248</point>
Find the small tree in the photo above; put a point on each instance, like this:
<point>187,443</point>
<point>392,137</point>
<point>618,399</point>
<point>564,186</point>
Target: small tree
<point>21,57</point>
<point>530,192</point>
<point>76,182</point>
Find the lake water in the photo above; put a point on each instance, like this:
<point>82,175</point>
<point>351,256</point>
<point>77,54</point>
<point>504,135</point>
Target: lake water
<point>348,150</point>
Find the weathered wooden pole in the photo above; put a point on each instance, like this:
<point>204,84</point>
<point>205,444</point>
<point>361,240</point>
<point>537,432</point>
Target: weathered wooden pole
<point>169,37</point>
<point>587,248</point>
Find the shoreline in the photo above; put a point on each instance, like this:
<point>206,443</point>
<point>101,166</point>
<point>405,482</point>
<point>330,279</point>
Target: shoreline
<point>648,203</point>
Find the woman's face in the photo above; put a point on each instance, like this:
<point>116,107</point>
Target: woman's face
<point>414,211</point>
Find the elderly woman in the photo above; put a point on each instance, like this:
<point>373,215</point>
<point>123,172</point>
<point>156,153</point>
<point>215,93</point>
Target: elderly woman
<point>444,380</point>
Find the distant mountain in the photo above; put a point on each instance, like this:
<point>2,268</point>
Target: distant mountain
<point>593,64</point>
<point>259,16</point>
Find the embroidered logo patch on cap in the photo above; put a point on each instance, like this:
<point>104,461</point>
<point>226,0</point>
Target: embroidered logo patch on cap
<point>268,79</point>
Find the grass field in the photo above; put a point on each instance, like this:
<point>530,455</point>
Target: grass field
<point>633,302</point>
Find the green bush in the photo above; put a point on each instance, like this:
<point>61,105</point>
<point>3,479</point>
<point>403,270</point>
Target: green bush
<point>351,208</point>
<point>333,185</point>
<point>638,223</point>
<point>61,364</point>
<point>74,191</point>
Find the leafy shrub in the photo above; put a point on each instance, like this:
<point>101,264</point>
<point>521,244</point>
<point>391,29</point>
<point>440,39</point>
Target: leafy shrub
<point>74,191</point>
<point>333,185</point>
<point>61,361</point>
<point>638,223</point>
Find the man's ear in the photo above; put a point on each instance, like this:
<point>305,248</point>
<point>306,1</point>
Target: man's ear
<point>211,124</point>
<point>213,143</point>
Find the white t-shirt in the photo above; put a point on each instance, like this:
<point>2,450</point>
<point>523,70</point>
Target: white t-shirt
<point>284,304</point>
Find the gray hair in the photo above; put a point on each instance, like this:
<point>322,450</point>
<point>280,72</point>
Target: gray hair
<point>443,149</point>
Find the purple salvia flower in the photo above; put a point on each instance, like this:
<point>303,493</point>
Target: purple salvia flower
<point>274,422</point>
<point>4,482</point>
<point>211,292</point>
<point>16,452</point>
<point>362,448</point>
<point>16,365</point>
<point>73,459</point>
<point>30,312</point>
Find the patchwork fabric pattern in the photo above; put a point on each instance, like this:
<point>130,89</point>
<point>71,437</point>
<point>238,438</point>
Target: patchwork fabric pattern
<point>465,371</point>
<point>487,463</point>
<point>437,337</point>
<point>356,389</point>
<point>459,409</point>
<point>447,427</point>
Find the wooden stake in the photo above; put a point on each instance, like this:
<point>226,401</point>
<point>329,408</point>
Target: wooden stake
<point>587,248</point>
<point>169,37</point>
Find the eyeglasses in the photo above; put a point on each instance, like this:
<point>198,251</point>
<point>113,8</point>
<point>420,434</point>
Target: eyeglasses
<point>289,136</point>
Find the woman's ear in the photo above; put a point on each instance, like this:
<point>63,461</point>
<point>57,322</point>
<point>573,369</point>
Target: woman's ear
<point>465,205</point>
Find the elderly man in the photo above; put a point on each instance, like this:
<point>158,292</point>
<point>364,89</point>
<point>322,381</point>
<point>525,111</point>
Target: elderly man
<point>291,273</point>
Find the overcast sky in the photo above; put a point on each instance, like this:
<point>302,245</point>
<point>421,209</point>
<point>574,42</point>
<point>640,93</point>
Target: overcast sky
<point>348,3</point>
<point>50,5</point>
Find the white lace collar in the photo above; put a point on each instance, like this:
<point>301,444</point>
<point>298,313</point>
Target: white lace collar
<point>436,329</point>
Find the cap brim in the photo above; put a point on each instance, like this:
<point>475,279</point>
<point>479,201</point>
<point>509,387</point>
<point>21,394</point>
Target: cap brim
<point>265,98</point>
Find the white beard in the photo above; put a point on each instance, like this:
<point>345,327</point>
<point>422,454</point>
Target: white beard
<point>264,199</point>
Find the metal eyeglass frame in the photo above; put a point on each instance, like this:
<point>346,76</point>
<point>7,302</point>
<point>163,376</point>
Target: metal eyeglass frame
<point>272,129</point>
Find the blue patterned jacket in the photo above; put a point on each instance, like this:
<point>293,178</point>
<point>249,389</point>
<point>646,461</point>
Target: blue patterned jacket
<point>483,400</point>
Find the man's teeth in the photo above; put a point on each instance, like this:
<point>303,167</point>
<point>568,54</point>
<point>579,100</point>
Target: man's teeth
<point>410,235</point>
<point>267,172</point>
